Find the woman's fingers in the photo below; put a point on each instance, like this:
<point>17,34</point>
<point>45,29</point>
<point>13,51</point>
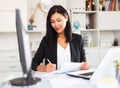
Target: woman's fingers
<point>85,66</point>
<point>50,67</point>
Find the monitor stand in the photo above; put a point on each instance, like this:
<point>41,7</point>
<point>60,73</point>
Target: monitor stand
<point>24,81</point>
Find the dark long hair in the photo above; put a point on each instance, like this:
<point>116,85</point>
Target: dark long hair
<point>51,34</point>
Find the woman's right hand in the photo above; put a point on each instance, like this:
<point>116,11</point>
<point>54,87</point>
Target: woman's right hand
<point>47,68</point>
<point>50,67</point>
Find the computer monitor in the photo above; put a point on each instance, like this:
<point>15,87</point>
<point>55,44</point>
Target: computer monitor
<point>25,55</point>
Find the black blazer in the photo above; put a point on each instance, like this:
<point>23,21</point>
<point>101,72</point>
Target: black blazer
<point>44,51</point>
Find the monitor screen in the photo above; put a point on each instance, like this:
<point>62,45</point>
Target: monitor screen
<point>25,55</point>
<point>23,44</point>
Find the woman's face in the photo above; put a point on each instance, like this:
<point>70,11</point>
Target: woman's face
<point>58,22</point>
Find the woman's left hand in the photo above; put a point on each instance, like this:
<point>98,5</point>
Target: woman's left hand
<point>84,66</point>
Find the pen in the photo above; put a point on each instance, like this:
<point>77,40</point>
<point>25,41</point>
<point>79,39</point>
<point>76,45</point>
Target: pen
<point>49,61</point>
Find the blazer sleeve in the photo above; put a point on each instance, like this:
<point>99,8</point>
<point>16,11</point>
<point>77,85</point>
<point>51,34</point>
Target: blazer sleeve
<point>39,55</point>
<point>82,50</point>
<point>77,49</point>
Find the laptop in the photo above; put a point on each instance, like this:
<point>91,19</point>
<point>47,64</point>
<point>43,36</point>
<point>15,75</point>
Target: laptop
<point>106,68</point>
<point>85,74</point>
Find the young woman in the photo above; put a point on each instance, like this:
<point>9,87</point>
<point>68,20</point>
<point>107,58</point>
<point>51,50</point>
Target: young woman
<point>59,45</point>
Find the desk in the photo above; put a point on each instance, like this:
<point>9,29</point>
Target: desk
<point>49,80</point>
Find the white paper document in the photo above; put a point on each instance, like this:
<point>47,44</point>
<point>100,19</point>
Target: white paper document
<point>68,67</point>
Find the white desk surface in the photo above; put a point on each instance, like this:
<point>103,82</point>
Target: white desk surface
<point>49,80</point>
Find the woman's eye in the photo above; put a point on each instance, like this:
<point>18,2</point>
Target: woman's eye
<point>58,20</point>
<point>52,22</point>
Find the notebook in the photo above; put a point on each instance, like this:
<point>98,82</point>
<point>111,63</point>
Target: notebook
<point>106,68</point>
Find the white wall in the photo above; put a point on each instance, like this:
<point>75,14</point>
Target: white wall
<point>9,57</point>
<point>7,23</point>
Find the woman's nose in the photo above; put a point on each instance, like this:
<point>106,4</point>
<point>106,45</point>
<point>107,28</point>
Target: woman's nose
<point>56,23</point>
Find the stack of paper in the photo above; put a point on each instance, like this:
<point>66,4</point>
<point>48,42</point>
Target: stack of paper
<point>68,67</point>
